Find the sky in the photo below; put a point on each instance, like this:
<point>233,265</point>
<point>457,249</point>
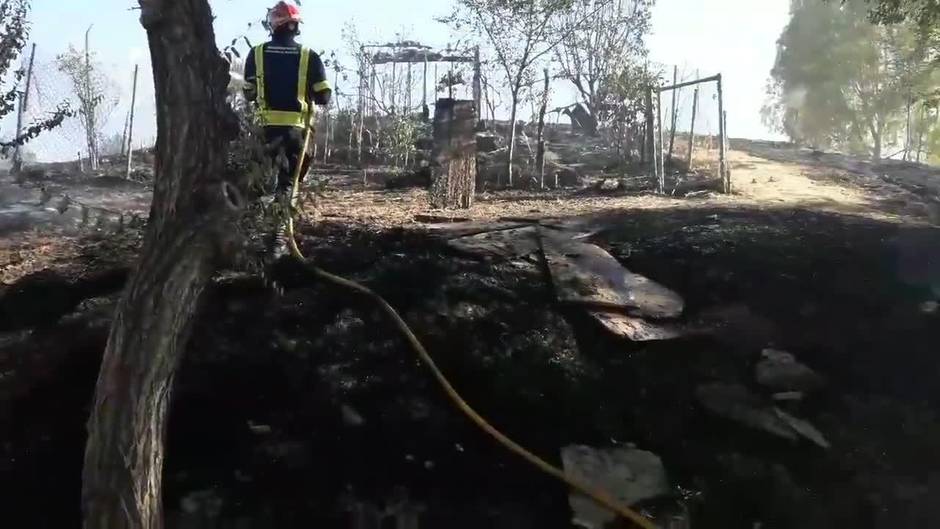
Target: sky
<point>735,37</point>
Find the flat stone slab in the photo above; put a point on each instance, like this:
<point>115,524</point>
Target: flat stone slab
<point>583,272</point>
<point>627,474</point>
<point>508,244</point>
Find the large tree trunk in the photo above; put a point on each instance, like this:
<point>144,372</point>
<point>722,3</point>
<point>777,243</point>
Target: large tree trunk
<point>192,204</point>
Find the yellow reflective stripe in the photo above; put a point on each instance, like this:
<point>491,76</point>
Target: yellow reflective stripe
<point>302,80</point>
<point>259,76</point>
<point>321,86</point>
<point>280,118</point>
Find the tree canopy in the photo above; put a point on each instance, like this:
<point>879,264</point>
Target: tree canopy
<point>841,81</point>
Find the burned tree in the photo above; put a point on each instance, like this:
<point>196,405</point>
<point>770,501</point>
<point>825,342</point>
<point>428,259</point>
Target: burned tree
<point>453,178</point>
<point>192,205</point>
<point>607,36</point>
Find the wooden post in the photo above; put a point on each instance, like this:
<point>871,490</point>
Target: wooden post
<point>450,81</point>
<point>477,83</point>
<point>362,78</point>
<point>130,126</point>
<point>661,172</point>
<point>724,121</point>
<point>89,112</point>
<point>409,83</point>
<point>127,119</point>
<point>362,124</point>
<point>675,113</point>
<point>21,113</point>
<point>722,162</point>
<point>540,153</point>
<point>692,130</point>
<point>394,87</point>
<point>453,167</point>
<point>649,136</point>
<point>327,123</point>
<point>372,102</point>
<point>424,84</point>
<point>352,132</point>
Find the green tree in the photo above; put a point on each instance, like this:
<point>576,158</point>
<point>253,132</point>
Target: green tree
<point>841,81</point>
<point>925,13</point>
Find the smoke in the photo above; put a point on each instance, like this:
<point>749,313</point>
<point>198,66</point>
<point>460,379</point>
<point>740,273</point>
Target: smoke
<point>796,97</point>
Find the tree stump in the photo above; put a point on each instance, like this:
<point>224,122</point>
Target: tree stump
<point>453,166</point>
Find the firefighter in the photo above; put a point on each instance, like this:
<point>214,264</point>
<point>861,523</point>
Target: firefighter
<point>285,80</point>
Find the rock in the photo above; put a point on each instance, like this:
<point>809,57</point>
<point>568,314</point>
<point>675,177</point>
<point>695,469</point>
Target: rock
<point>582,272</point>
<point>291,454</point>
<point>488,142</point>
<point>351,417</point>
<point>203,502</point>
<point>465,310</point>
<point>736,326</point>
<point>666,513</point>
<point>788,396</point>
<point>737,403</point>
<point>780,371</point>
<point>608,184</point>
<point>627,474</point>
<point>803,428</point>
<point>259,429</point>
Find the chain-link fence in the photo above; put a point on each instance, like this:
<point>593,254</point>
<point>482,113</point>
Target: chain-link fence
<point>689,122</point>
<point>49,87</point>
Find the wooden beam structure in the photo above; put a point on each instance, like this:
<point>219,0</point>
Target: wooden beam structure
<point>688,83</point>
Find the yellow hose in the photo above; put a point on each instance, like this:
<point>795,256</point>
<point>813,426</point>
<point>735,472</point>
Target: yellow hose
<point>600,497</point>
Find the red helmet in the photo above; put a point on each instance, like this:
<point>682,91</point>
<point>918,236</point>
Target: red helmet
<point>283,13</point>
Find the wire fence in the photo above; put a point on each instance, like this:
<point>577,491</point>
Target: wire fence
<point>691,130</point>
<point>49,87</point>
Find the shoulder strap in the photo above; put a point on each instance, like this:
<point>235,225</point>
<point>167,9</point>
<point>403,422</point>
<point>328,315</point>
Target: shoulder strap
<point>302,79</point>
<point>259,76</point>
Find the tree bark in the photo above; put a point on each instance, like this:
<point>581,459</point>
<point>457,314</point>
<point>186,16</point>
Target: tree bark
<point>192,205</point>
<point>512,135</point>
<point>540,155</point>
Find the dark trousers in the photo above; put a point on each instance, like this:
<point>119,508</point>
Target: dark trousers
<point>283,146</point>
